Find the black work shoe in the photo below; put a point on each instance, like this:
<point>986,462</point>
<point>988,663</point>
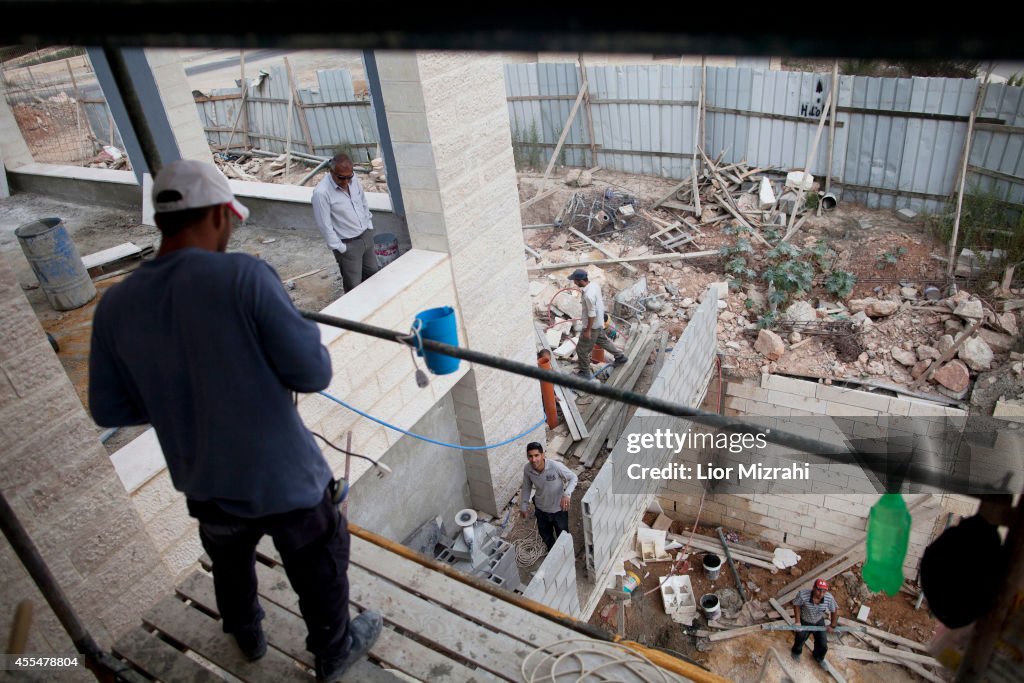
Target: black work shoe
<point>363,632</point>
<point>252,643</point>
<point>621,360</point>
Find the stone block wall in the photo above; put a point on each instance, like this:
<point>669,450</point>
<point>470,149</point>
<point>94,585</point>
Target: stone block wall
<point>56,476</point>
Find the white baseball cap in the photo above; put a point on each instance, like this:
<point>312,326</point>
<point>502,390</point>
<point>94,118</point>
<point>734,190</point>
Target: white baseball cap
<point>196,184</point>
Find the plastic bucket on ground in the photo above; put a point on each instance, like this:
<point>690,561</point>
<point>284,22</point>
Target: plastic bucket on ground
<point>712,565</point>
<point>711,606</point>
<point>828,202</point>
<point>630,583</point>
<point>385,246</point>
<point>55,261</point>
<point>438,324</point>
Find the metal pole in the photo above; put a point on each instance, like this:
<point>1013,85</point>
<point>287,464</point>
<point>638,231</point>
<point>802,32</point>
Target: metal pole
<point>122,78</point>
<point>836,453</point>
<point>732,565</point>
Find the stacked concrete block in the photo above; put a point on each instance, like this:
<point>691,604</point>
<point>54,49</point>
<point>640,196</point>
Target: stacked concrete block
<point>554,584</point>
<point>57,478</point>
<point>491,557</point>
<point>609,515</point>
<point>179,105</point>
<point>448,118</point>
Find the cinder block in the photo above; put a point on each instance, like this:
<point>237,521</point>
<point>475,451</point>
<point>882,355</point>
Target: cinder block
<point>789,385</point>
<point>851,505</point>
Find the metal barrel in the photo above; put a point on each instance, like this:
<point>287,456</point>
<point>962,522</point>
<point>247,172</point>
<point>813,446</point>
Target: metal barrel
<point>56,263</point>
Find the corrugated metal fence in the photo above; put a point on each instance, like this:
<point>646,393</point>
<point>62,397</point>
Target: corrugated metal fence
<point>325,119</point>
<point>898,142</point>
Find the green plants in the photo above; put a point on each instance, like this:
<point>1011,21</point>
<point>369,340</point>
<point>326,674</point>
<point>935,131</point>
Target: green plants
<point>840,283</point>
<point>889,258</point>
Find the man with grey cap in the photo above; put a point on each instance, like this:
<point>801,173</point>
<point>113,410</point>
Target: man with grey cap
<point>207,347</point>
<point>342,215</point>
<point>593,326</point>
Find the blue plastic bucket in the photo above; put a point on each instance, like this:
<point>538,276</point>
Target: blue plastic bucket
<point>438,324</point>
<point>55,261</point>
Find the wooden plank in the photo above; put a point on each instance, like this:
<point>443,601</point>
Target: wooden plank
<point>499,653</point>
<point>734,548</point>
<point>101,258</point>
<point>853,559</point>
<point>832,671</point>
<point>631,259</point>
<point>736,632</point>
<point>783,612</point>
<point>885,635</point>
<point>287,632</point>
<point>202,634</point>
<point>672,192</point>
<point>627,266</point>
<point>161,660</point>
<point>459,597</point>
<point>543,195</point>
<point>912,656</point>
<point>679,206</point>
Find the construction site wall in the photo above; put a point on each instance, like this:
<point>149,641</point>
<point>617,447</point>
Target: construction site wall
<point>898,142</point>
<point>554,584</point>
<point>831,510</point>
<point>57,478</point>
<point>610,510</point>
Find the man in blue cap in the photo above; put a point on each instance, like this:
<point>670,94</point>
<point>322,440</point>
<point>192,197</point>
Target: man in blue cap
<point>593,326</point>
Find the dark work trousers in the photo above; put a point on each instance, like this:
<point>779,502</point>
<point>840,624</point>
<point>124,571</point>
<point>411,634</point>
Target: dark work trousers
<point>358,262</point>
<point>314,546</point>
<point>586,346</point>
<point>820,641</point>
<point>551,524</point>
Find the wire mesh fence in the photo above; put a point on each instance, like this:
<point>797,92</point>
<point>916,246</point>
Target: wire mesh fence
<point>59,107</point>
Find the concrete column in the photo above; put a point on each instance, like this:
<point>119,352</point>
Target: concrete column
<point>13,150</point>
<point>453,146</point>
<point>57,477</point>
<point>176,96</point>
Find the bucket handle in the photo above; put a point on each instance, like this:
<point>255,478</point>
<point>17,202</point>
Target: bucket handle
<point>415,332</point>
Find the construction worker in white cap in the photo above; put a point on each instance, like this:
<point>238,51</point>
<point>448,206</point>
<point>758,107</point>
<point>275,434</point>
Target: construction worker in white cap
<point>207,347</point>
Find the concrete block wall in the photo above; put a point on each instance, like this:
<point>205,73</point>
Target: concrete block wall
<point>179,105</point>
<point>610,514</point>
<point>833,512</point>
<point>554,584</point>
<point>56,476</point>
<point>427,480</point>
<point>449,127</point>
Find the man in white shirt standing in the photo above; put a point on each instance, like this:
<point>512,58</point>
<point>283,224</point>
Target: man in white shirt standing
<point>343,218</point>
<point>593,326</point>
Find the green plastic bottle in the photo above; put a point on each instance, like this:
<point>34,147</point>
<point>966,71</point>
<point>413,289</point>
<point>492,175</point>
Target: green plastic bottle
<point>888,535</point>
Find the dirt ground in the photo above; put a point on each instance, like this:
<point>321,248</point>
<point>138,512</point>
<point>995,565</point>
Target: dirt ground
<point>741,658</point>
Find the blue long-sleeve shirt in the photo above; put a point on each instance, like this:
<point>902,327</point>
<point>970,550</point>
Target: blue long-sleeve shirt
<point>207,348</point>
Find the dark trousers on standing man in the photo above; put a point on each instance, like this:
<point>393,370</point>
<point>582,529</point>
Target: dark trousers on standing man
<point>551,524</point>
<point>358,262</point>
<point>314,547</point>
<point>820,642</point>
